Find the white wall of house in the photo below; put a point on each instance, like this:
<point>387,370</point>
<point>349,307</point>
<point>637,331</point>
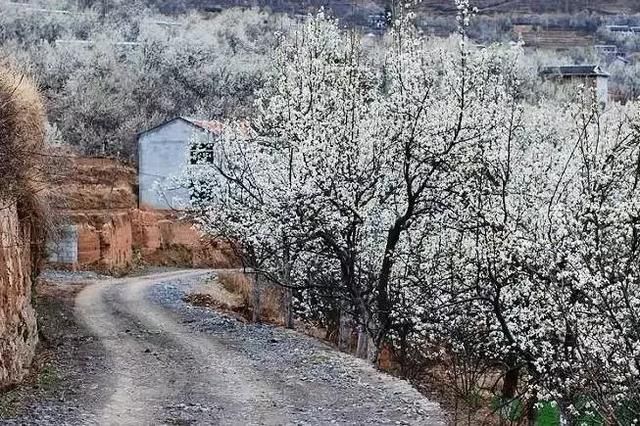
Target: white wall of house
<point>163,153</point>
<point>602,89</point>
<point>569,84</point>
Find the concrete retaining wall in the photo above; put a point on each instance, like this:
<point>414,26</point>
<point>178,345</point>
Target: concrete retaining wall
<point>64,249</point>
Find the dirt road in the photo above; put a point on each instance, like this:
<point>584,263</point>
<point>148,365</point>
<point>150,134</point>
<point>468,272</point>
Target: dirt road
<point>166,362</point>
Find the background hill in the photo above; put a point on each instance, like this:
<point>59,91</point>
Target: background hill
<point>445,7</point>
<point>556,23</point>
<point>606,7</point>
<point>551,24</point>
<point>109,68</point>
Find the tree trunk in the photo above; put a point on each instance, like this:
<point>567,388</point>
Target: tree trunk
<point>288,308</point>
<point>372,350</point>
<point>531,411</point>
<point>362,350</point>
<point>288,292</point>
<point>510,384</point>
<point>383,302</point>
<point>344,331</point>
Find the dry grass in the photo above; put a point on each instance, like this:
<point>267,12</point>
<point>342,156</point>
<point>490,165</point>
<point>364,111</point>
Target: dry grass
<point>234,292</point>
<point>214,254</point>
<point>467,401</point>
<point>21,130</point>
<point>24,166</point>
<point>213,290</point>
<point>212,294</point>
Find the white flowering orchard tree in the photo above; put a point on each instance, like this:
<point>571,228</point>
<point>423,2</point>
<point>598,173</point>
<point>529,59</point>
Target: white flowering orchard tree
<point>593,216</point>
<point>350,167</point>
<point>426,197</point>
<point>307,171</point>
<point>537,269</point>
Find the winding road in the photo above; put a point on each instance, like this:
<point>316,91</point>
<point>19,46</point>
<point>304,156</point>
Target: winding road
<point>166,362</point>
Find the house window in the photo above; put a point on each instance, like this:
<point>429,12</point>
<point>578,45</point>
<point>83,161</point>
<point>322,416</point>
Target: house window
<point>202,152</point>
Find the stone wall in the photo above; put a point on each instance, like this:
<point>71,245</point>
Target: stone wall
<point>18,332</point>
<point>116,249</point>
<point>88,245</point>
<point>146,232</point>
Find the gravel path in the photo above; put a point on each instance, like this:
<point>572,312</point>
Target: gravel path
<point>152,359</point>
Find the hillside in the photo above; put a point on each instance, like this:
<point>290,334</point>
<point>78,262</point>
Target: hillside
<point>552,24</point>
<point>546,24</point>
<point>606,7</point>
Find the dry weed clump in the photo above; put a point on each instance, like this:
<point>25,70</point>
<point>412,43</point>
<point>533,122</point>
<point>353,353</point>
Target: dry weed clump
<point>21,133</point>
<point>23,161</point>
<point>270,304</point>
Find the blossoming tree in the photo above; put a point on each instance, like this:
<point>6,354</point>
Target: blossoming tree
<point>428,199</point>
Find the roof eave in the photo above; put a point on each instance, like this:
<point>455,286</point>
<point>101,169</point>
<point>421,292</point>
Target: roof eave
<point>164,123</point>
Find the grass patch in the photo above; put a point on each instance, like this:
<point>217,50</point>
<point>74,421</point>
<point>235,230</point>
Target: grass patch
<point>9,404</point>
<point>48,378</point>
<point>319,358</point>
<point>548,415</point>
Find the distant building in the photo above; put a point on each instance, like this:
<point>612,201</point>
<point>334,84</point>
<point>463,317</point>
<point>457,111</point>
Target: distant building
<point>606,49</point>
<point>381,20</point>
<point>610,54</point>
<point>163,153</point>
<point>619,28</point>
<point>378,21</point>
<point>572,75</point>
<point>622,60</point>
<point>624,29</point>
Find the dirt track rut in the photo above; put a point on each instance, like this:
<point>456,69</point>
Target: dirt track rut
<point>166,362</point>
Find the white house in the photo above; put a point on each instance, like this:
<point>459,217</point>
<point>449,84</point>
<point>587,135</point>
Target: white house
<point>163,152</point>
<point>591,76</point>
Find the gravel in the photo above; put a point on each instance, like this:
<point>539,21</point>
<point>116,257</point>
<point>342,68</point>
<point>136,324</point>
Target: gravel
<point>61,276</point>
<point>204,367</point>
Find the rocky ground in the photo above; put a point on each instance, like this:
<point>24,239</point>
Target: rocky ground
<point>133,352</point>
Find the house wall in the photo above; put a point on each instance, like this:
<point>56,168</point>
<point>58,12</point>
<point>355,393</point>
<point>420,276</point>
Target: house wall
<point>162,154</point>
<point>600,84</point>
<point>602,89</point>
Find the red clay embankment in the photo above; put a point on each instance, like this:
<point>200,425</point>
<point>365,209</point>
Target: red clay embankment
<point>21,220</point>
<point>99,199</point>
